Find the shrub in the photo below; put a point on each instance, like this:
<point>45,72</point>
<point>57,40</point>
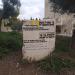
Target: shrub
<point>55,64</point>
<point>63,44</point>
<point>3,51</point>
<point>24,62</point>
<point>10,41</point>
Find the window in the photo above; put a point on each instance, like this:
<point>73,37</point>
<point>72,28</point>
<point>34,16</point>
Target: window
<point>58,29</point>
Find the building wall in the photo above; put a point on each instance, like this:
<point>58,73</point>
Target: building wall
<point>65,20</point>
<point>67,25</point>
<point>5,28</point>
<point>48,10</point>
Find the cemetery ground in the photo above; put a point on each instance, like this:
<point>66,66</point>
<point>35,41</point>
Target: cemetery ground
<point>60,62</point>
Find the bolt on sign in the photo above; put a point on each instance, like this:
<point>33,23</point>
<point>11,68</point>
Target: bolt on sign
<point>38,39</point>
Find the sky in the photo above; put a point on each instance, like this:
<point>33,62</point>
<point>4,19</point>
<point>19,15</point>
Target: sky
<point>31,8</point>
<point>1,4</point>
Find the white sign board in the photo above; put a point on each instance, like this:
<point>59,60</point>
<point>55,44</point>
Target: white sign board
<point>38,42</point>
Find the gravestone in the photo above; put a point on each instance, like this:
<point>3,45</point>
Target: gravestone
<point>39,39</point>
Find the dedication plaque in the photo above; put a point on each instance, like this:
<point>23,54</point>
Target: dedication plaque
<point>38,40</point>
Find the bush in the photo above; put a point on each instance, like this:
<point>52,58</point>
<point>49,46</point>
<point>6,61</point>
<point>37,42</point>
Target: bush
<point>17,27</point>
<point>24,62</point>
<point>10,41</point>
<point>63,44</point>
<point>3,51</point>
<point>55,64</point>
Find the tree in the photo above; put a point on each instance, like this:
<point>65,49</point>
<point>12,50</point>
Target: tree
<point>10,9</point>
<point>16,24</point>
<point>63,5</point>
<point>0,18</point>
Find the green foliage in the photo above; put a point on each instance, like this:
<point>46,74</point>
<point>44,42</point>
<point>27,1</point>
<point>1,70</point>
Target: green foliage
<point>9,9</point>
<point>16,24</point>
<point>17,27</point>
<point>3,51</point>
<point>10,41</point>
<point>63,44</point>
<point>55,64</point>
<point>64,5</point>
<point>24,61</point>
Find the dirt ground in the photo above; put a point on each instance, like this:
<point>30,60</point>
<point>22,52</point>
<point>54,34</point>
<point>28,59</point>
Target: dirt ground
<point>10,65</point>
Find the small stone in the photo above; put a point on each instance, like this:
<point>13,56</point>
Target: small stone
<point>17,65</point>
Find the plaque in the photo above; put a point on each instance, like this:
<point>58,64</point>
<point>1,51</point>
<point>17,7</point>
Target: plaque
<point>38,41</point>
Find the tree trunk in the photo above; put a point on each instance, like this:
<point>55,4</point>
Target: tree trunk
<point>0,24</point>
<point>73,40</point>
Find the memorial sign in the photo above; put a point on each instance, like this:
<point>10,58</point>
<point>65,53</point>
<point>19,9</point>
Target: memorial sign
<point>38,40</point>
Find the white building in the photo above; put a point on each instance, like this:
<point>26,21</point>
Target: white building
<point>5,27</point>
<point>64,23</point>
